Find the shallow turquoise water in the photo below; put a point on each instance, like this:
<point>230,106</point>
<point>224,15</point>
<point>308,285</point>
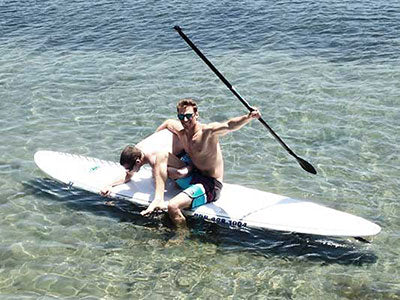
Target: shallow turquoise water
<point>90,77</point>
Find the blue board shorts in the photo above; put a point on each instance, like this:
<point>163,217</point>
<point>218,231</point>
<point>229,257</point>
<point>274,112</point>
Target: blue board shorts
<point>202,189</point>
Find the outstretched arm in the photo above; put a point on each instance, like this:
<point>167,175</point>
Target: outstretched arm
<point>160,175</point>
<point>106,191</point>
<point>164,163</point>
<point>234,123</point>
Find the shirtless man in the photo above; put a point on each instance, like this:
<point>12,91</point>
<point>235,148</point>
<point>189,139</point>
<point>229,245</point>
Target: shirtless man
<point>201,144</point>
<point>163,164</point>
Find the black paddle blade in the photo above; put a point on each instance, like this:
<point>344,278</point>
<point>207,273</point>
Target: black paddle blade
<point>306,165</point>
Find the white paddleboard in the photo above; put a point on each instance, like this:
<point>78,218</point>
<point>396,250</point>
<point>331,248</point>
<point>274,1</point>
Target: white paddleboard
<point>237,207</point>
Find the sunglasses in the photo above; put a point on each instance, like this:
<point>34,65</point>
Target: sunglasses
<point>183,116</point>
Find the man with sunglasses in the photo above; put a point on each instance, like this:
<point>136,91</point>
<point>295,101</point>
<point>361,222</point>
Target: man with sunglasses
<point>201,144</point>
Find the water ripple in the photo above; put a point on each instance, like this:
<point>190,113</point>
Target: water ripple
<point>89,77</point>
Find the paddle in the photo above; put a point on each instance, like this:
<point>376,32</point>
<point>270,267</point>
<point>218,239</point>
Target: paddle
<point>304,164</point>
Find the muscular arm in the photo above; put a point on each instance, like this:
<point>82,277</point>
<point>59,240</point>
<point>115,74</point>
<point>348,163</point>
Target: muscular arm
<point>172,125</point>
<point>106,191</point>
<point>234,123</point>
<point>160,175</point>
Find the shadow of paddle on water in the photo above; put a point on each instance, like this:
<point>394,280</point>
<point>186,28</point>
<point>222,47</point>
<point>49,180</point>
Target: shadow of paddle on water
<point>265,243</point>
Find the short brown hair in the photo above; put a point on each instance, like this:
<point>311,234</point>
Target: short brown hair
<point>187,102</point>
<point>129,156</point>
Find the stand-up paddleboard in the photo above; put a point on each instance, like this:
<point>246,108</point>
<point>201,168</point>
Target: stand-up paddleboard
<point>238,206</point>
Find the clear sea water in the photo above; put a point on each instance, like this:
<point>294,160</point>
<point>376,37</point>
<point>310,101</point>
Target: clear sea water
<point>90,77</point>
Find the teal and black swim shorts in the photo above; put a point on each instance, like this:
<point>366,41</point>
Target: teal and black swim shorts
<point>202,189</point>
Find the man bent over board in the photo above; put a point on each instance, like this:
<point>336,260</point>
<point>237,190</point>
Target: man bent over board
<point>201,143</point>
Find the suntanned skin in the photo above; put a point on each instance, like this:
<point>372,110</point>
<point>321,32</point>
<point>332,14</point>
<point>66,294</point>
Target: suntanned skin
<point>201,142</point>
<point>164,164</point>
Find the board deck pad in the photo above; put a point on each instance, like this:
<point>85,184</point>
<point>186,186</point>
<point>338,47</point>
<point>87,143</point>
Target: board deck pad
<point>237,207</point>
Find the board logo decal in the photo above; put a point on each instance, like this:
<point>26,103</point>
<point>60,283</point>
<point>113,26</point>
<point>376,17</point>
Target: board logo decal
<point>94,168</point>
<point>221,220</point>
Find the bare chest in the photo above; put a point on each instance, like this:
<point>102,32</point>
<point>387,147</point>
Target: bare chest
<point>195,144</point>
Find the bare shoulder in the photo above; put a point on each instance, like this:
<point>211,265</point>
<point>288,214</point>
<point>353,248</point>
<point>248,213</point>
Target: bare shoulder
<point>172,125</point>
<point>175,124</point>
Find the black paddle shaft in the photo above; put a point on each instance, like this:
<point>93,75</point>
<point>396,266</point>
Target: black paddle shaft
<point>304,164</point>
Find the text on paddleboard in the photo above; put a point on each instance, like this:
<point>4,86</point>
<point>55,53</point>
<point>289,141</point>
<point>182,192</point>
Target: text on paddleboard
<point>220,220</point>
